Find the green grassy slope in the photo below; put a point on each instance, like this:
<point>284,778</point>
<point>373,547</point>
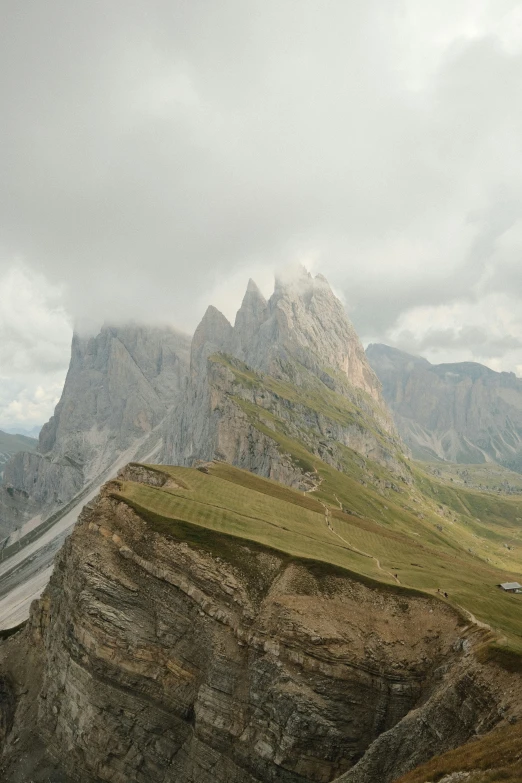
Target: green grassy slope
<point>227,505</point>
<point>479,523</point>
<point>491,759</point>
<point>392,522</point>
<point>487,476</point>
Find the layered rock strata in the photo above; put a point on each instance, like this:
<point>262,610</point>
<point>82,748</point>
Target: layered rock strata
<point>149,659</point>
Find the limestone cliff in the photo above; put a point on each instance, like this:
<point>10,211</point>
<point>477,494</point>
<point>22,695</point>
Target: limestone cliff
<point>129,382</point>
<point>119,387</point>
<point>459,412</point>
<point>292,366</point>
<point>303,321</point>
<point>149,659</point>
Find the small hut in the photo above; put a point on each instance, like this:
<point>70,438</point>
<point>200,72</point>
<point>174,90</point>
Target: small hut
<point>511,587</point>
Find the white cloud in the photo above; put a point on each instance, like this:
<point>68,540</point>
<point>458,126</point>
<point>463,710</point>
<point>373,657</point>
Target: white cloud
<point>35,335</point>
<point>488,331</point>
<point>31,405</point>
<point>156,154</point>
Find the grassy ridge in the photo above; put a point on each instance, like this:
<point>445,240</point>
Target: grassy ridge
<point>419,534</point>
<point>494,758</point>
<point>229,502</point>
<point>225,507</point>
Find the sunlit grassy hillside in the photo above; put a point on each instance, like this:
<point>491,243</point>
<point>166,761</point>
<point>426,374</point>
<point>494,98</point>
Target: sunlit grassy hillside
<point>486,476</point>
<point>388,520</point>
<point>383,540</point>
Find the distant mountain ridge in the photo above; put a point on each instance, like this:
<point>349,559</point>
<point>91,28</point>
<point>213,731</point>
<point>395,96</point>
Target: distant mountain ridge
<point>29,432</point>
<point>462,412</point>
<point>11,444</point>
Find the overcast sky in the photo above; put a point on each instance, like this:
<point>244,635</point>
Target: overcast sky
<point>155,154</point>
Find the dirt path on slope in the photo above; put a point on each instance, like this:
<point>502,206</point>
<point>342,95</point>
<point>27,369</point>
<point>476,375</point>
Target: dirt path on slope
<point>351,546</point>
<point>335,533</point>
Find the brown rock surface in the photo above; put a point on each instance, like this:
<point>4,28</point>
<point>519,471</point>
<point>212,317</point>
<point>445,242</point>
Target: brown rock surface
<point>151,660</point>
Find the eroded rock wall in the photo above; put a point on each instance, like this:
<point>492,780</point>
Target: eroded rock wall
<point>151,660</point>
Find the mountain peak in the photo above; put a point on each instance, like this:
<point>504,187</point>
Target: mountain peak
<point>252,313</point>
<point>253,300</point>
<point>213,316</point>
<point>322,279</point>
<point>253,288</point>
<point>379,355</point>
<point>293,280</point>
<point>303,320</point>
<point>213,334</point>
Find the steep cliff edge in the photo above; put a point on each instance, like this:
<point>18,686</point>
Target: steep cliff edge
<point>459,412</point>
<point>495,758</point>
<point>172,644</point>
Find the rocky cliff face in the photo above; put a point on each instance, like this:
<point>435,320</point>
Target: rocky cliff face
<point>459,412</point>
<point>305,322</point>
<point>122,384</point>
<point>276,368</point>
<point>119,387</point>
<point>149,659</point>
<point>289,376</point>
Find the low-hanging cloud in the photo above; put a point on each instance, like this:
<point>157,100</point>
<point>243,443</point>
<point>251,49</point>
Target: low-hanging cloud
<point>35,335</point>
<point>153,151</point>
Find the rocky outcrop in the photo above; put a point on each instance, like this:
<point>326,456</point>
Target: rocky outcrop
<point>459,412</point>
<point>119,387</point>
<point>212,425</point>
<point>33,483</point>
<point>149,659</point>
<point>303,321</point>
<point>300,338</point>
<point>464,706</point>
<point>254,312</point>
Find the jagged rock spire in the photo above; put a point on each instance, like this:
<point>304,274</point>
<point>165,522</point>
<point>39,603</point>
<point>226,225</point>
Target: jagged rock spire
<point>214,334</point>
<point>305,321</point>
<point>252,313</point>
